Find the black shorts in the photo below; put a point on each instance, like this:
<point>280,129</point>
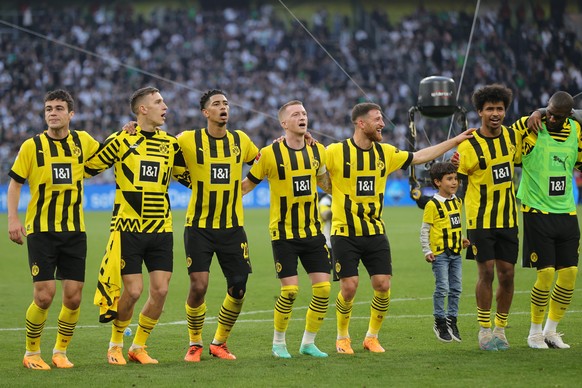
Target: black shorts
<point>493,244</point>
<point>374,251</point>
<point>63,252</point>
<point>155,250</point>
<point>550,240</point>
<point>312,251</point>
<point>230,245</point>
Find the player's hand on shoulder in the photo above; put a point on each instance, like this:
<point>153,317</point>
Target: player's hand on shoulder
<point>534,122</point>
<point>310,140</point>
<point>130,127</point>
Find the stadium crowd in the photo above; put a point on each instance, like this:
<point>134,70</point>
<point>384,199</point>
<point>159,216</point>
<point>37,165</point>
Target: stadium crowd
<point>263,57</point>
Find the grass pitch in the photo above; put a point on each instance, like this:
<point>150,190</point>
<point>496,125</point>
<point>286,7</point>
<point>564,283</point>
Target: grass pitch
<point>414,357</point>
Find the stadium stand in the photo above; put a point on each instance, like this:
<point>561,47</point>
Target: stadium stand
<point>263,57</point>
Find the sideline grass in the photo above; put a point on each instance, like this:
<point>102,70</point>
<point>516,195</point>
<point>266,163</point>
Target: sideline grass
<point>414,357</point>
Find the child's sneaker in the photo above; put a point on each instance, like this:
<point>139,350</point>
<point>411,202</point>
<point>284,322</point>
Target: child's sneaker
<point>453,329</point>
<point>441,330</point>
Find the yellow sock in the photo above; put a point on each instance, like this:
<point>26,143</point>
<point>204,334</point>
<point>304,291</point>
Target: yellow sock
<point>144,329</point>
<point>562,293</point>
<point>227,317</point>
<point>378,311</point>
<point>117,329</point>
<point>484,318</point>
<point>540,294</point>
<point>284,306</point>
<point>343,312</point>
<point>195,317</point>
<point>501,320</point>
<point>317,307</point>
<point>66,326</point>
<point>35,320</point>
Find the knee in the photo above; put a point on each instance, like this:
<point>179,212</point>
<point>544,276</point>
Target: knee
<point>506,276</point>
<point>237,286</point>
<point>383,286</point>
<point>348,292</point>
<point>567,277</point>
<point>134,291</point>
<point>545,278</point>
<point>322,289</point>
<point>159,292</point>
<point>440,292</point>
<point>72,302</point>
<point>506,281</point>
<point>290,293</point>
<point>486,276</point>
<point>43,297</point>
<point>43,300</point>
<point>198,288</point>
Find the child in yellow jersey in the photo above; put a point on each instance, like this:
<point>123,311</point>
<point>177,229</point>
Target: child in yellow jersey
<point>442,241</point>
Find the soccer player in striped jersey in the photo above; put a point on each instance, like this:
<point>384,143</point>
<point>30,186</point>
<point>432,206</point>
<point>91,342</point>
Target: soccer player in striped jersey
<point>52,162</point>
<point>358,169</point>
<point>141,225</point>
<point>214,221</point>
<point>550,226</point>
<point>292,168</point>
<point>487,170</point>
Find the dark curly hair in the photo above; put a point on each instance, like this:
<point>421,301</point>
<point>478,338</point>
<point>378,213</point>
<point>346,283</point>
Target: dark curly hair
<point>492,93</point>
<point>206,96</point>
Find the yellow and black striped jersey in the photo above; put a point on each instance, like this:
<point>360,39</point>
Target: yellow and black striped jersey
<point>358,179</point>
<point>143,164</point>
<point>530,139</point>
<point>488,163</point>
<point>444,216</point>
<point>215,166</point>
<point>54,170</point>
<point>292,176</point>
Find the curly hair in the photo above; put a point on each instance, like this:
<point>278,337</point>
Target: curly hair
<point>492,93</point>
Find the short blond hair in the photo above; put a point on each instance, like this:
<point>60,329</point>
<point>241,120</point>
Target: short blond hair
<point>286,105</point>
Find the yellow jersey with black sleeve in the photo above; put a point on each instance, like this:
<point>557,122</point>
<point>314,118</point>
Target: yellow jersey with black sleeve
<point>444,217</point>
<point>215,165</point>
<point>292,176</point>
<point>488,163</point>
<point>144,164</point>
<point>54,171</point>
<point>358,180</point>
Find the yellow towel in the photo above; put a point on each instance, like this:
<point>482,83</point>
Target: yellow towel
<point>109,280</point>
